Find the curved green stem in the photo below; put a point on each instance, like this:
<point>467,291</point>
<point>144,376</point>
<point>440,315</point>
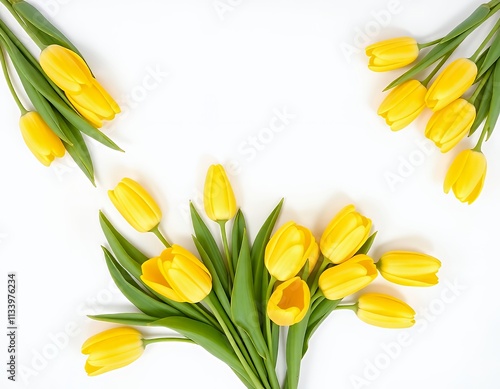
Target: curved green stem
<point>230,336</point>
<point>229,262</point>
<point>269,336</point>
<point>23,24</point>
<point>9,82</point>
<point>480,86</point>
<point>481,139</point>
<point>147,342</point>
<point>428,44</point>
<point>485,42</point>
<point>438,67</point>
<point>159,235</point>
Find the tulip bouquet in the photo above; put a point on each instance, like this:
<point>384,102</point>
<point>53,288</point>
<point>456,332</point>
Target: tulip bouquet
<point>235,297</point>
<point>454,116</point>
<point>67,100</point>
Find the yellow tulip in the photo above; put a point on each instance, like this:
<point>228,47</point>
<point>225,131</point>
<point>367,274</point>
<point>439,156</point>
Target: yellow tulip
<point>403,104</point>
<point>289,302</point>
<point>178,275</point>
<point>450,125</point>
<point>452,83</point>
<point>112,349</point>
<point>40,139</point>
<point>70,73</point>
<point>136,205</point>
<point>219,200</point>
<point>347,278</point>
<point>345,235</point>
<point>289,249</point>
<point>392,54</point>
<point>385,311</point>
<point>466,176</point>
<point>409,268</point>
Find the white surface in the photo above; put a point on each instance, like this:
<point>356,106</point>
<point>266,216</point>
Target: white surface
<point>226,77</point>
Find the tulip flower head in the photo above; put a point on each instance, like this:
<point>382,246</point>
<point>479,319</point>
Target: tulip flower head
<point>178,275</point>
<point>450,125</point>
<point>452,83</point>
<point>112,349</point>
<point>403,104</point>
<point>219,200</point>
<point>136,205</point>
<point>345,235</point>
<point>409,268</point>
<point>289,249</point>
<point>40,139</point>
<point>70,73</point>
<point>347,278</point>
<point>392,54</point>
<point>385,311</point>
<point>466,176</point>
<point>289,302</point>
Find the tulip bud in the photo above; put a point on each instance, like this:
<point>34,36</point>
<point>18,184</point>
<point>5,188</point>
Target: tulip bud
<point>289,249</point>
<point>450,125</point>
<point>112,349</point>
<point>135,205</point>
<point>392,54</point>
<point>289,302</point>
<point>70,73</point>
<point>219,200</point>
<point>403,104</point>
<point>409,268</point>
<point>385,311</point>
<point>178,275</point>
<point>345,235</point>
<point>466,175</point>
<point>40,139</point>
<point>452,83</point>
<point>347,278</point>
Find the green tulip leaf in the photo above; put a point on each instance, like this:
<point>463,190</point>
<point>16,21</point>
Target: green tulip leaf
<point>494,110</point>
<point>474,20</point>
<point>216,283</point>
<point>491,57</point>
<point>130,249</point>
<point>239,227</point>
<point>320,313</point>
<point>243,304</point>
<point>294,347</point>
<point>367,245</point>
<point>144,302</point>
<point>129,319</point>
<point>212,340</point>
<point>482,104</point>
<point>257,254</point>
<point>48,33</point>
<point>209,245</point>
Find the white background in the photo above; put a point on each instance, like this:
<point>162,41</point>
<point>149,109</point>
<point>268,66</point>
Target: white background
<point>219,78</point>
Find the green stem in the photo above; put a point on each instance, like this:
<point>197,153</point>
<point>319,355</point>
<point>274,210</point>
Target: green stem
<point>480,86</point>
<point>147,342</point>
<point>23,24</point>
<point>159,235</point>
<point>207,314</point>
<point>269,336</point>
<point>9,82</point>
<point>229,262</point>
<point>436,69</point>
<point>481,139</point>
<point>428,44</point>
<point>229,334</point>
<point>324,264</point>
<point>485,42</point>
<point>352,307</point>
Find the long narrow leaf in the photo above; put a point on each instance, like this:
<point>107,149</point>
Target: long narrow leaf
<point>239,227</point>
<point>494,110</point>
<point>129,319</point>
<point>317,317</point>
<point>474,20</point>
<point>294,346</point>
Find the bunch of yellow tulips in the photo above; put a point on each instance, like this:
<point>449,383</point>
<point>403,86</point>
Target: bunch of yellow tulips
<point>234,298</point>
<point>66,99</point>
<point>454,116</point>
